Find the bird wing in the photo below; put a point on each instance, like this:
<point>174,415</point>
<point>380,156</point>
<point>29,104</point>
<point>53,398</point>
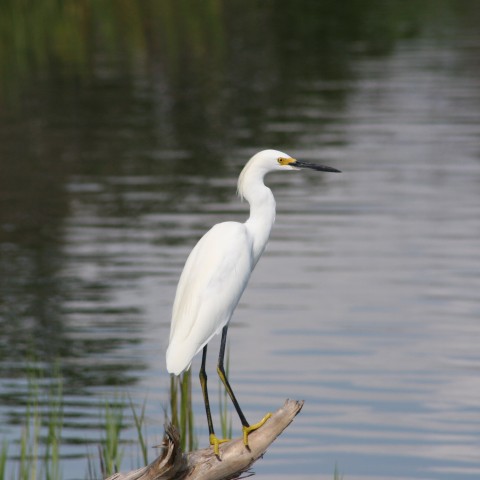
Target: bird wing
<point>212,282</point>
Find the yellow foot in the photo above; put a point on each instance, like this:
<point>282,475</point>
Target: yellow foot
<point>216,442</point>
<point>251,428</point>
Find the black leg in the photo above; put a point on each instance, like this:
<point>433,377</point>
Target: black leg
<point>223,377</point>
<point>203,383</point>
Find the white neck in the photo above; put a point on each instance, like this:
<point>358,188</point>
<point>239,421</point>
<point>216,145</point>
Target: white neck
<point>262,212</point>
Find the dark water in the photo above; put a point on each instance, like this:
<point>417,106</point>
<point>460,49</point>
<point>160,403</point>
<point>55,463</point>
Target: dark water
<point>121,147</point>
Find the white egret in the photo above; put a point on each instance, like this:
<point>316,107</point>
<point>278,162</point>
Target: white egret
<point>216,274</point>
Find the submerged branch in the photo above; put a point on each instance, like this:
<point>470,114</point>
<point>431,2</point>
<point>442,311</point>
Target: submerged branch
<point>203,464</point>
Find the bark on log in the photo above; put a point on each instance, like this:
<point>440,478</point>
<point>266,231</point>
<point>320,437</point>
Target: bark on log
<point>203,464</point>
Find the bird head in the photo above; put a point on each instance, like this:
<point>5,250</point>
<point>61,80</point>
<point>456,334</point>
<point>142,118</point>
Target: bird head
<point>273,161</point>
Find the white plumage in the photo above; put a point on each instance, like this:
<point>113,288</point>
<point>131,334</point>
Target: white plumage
<point>212,282</point>
<point>217,272</point>
<point>219,266</point>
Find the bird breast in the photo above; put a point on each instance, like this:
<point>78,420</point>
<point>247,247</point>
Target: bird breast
<point>212,282</point>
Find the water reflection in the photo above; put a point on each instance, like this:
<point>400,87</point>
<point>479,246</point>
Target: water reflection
<point>116,157</point>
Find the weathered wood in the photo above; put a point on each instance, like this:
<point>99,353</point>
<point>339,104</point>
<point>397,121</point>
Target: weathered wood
<point>203,464</point>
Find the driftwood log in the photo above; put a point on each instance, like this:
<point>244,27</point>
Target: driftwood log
<point>234,458</point>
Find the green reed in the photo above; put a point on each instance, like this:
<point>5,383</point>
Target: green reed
<point>30,439</point>
<point>181,409</point>
<point>336,473</point>
<point>38,456</point>
<point>39,445</point>
<point>54,432</point>
<point>140,425</point>
<point>3,459</point>
<point>111,452</point>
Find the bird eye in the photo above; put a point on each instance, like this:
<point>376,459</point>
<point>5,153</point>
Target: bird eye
<point>279,161</point>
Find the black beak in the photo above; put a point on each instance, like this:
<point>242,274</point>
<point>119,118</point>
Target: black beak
<point>313,166</point>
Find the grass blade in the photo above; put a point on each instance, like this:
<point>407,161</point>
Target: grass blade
<point>139,424</point>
